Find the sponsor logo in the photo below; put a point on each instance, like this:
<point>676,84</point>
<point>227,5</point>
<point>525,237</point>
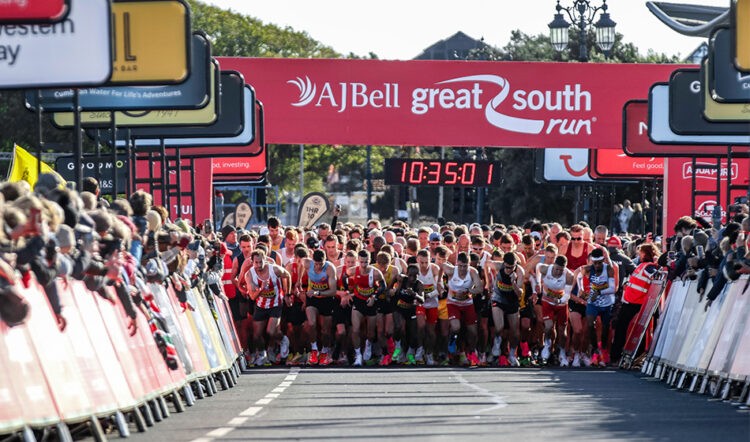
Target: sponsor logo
<point>708,171</point>
<point>507,109</point>
<point>705,210</point>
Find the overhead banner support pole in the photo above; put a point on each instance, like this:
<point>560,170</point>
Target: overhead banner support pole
<point>98,151</point>
<point>40,134</point>
<point>129,179</point>
<point>113,127</point>
<point>179,183</point>
<point>369,182</point>
<point>78,149</point>
<point>164,180</point>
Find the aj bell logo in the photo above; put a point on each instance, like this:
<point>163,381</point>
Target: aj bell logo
<point>572,98</point>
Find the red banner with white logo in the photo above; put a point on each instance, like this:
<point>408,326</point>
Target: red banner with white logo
<point>612,163</point>
<point>678,187</point>
<point>445,103</point>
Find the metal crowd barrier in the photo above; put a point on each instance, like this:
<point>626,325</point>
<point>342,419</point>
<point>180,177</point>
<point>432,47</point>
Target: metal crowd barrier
<point>96,370</point>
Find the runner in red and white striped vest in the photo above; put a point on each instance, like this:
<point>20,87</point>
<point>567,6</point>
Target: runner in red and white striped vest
<point>267,282</point>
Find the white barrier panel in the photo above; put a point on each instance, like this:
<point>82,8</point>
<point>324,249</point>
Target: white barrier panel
<point>733,327</point>
<point>675,299</point>
<point>695,325</point>
<point>683,323</point>
<point>740,369</point>
<point>175,331</point>
<point>716,327</point>
<point>204,316</point>
<point>704,335</point>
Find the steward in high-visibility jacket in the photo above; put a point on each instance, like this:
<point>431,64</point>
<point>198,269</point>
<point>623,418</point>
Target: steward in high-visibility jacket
<point>226,278</point>
<point>634,296</point>
<point>639,282</point>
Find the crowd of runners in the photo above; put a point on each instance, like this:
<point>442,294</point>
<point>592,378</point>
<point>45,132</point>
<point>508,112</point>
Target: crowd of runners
<point>348,294</point>
<point>476,295</point>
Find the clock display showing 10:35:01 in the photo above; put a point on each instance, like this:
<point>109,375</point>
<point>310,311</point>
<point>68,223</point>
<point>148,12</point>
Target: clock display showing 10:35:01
<point>413,172</point>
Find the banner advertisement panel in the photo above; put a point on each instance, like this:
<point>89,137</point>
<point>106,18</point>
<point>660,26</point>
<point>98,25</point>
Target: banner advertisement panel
<point>33,11</point>
<point>678,187</point>
<point>240,165</point>
<point>567,165</point>
<point>635,141</point>
<point>660,132</point>
<point>76,51</point>
<point>686,107</point>
<point>741,42</point>
<point>152,42</point>
<point>167,117</point>
<point>439,103</point>
<point>610,163</point>
<point>725,82</point>
<point>230,124</point>
<point>65,166</point>
<point>191,94</point>
<point>716,112</point>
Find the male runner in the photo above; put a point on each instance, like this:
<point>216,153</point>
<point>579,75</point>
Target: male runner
<point>319,301</point>
<point>553,283</point>
<point>367,283</point>
<point>463,284</point>
<point>507,291</point>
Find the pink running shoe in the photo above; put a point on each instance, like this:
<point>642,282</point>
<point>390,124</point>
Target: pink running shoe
<point>605,356</point>
<point>595,358</point>
<point>502,361</point>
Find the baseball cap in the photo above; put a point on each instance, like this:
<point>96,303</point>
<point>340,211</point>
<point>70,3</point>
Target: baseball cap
<point>434,236</point>
<point>614,241</point>
<point>536,235</point>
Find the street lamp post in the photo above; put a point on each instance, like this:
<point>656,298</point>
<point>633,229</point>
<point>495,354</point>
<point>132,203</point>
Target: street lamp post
<point>582,14</point>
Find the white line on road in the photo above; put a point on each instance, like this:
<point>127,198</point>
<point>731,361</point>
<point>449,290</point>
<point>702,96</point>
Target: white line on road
<point>499,402</point>
<point>237,421</point>
<point>251,411</point>
<point>220,432</point>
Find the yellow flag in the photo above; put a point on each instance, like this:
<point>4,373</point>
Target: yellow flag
<point>24,167</point>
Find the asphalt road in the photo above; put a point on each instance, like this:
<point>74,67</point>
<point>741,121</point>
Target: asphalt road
<point>452,404</point>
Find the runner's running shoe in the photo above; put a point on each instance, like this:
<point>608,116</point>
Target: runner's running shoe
<point>483,360</point>
<point>586,360</point>
<point>563,358</point>
<point>357,360</point>
<point>261,359</point>
<point>525,349</point>
<point>396,356</point>
<point>391,345</point>
<point>473,359</point>
<point>576,360</point>
<point>595,358</point>
<point>367,355</point>
<point>462,359</point>
<point>284,351</point>
<point>410,360</point>
<point>545,353</point>
<point>496,346</point>
<point>419,356</point>
<point>342,360</point>
<point>385,360</point>
<point>452,344</point>
<point>371,362</point>
<point>605,357</point>
<point>325,359</point>
<point>513,361</point>
<point>312,358</point>
<point>430,361</point>
<point>502,361</point>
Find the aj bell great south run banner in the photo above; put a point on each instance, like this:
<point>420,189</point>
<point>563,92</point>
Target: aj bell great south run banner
<point>437,103</point>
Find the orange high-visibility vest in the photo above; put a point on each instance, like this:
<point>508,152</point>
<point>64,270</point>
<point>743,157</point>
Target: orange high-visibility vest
<point>638,285</point>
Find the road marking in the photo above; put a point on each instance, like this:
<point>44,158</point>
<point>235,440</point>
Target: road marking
<point>499,402</point>
<point>220,432</point>
<point>250,411</point>
<point>237,421</point>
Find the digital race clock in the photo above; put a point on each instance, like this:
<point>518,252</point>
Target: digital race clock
<point>411,172</point>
